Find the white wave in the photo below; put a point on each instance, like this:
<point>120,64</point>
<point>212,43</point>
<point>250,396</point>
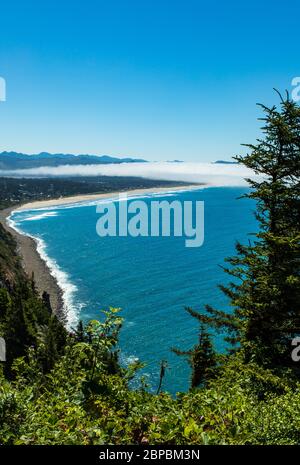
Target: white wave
<point>127,360</point>
<point>131,359</point>
<point>13,224</point>
<point>41,216</point>
<point>62,278</point>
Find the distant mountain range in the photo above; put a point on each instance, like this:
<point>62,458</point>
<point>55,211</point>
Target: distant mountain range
<point>225,162</point>
<point>14,160</point>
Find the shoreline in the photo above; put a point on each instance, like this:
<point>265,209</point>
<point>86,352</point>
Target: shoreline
<point>27,246</point>
<point>39,204</point>
<point>33,263</point>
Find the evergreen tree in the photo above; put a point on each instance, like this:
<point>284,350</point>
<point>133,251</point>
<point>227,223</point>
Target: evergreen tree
<point>46,300</point>
<point>265,289</point>
<point>201,357</point>
<point>79,332</point>
<point>51,340</point>
<point>32,281</point>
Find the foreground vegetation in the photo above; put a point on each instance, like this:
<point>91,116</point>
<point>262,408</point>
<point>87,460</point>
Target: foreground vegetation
<point>79,403</point>
<point>69,388</point>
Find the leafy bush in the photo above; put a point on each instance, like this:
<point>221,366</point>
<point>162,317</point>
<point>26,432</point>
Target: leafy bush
<point>85,399</point>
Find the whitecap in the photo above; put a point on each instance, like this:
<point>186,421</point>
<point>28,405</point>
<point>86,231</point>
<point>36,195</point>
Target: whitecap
<point>71,310</point>
<point>40,216</point>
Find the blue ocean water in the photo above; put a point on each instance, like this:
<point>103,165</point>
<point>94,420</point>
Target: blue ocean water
<point>151,279</point>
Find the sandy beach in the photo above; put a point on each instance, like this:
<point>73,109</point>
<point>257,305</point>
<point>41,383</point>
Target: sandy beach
<point>33,263</point>
<point>27,247</point>
<point>91,197</point>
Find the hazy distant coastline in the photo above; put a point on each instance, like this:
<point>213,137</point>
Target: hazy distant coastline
<point>90,197</point>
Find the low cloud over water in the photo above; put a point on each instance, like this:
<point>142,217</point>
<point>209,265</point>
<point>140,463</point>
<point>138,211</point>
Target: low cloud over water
<point>210,173</point>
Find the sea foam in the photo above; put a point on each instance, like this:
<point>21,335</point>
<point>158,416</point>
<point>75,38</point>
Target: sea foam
<point>62,278</point>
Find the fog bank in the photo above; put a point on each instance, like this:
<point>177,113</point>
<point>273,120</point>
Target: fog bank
<point>208,173</point>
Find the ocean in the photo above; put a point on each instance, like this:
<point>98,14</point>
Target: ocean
<point>152,279</point>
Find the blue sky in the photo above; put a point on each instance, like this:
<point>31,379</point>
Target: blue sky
<point>158,80</point>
